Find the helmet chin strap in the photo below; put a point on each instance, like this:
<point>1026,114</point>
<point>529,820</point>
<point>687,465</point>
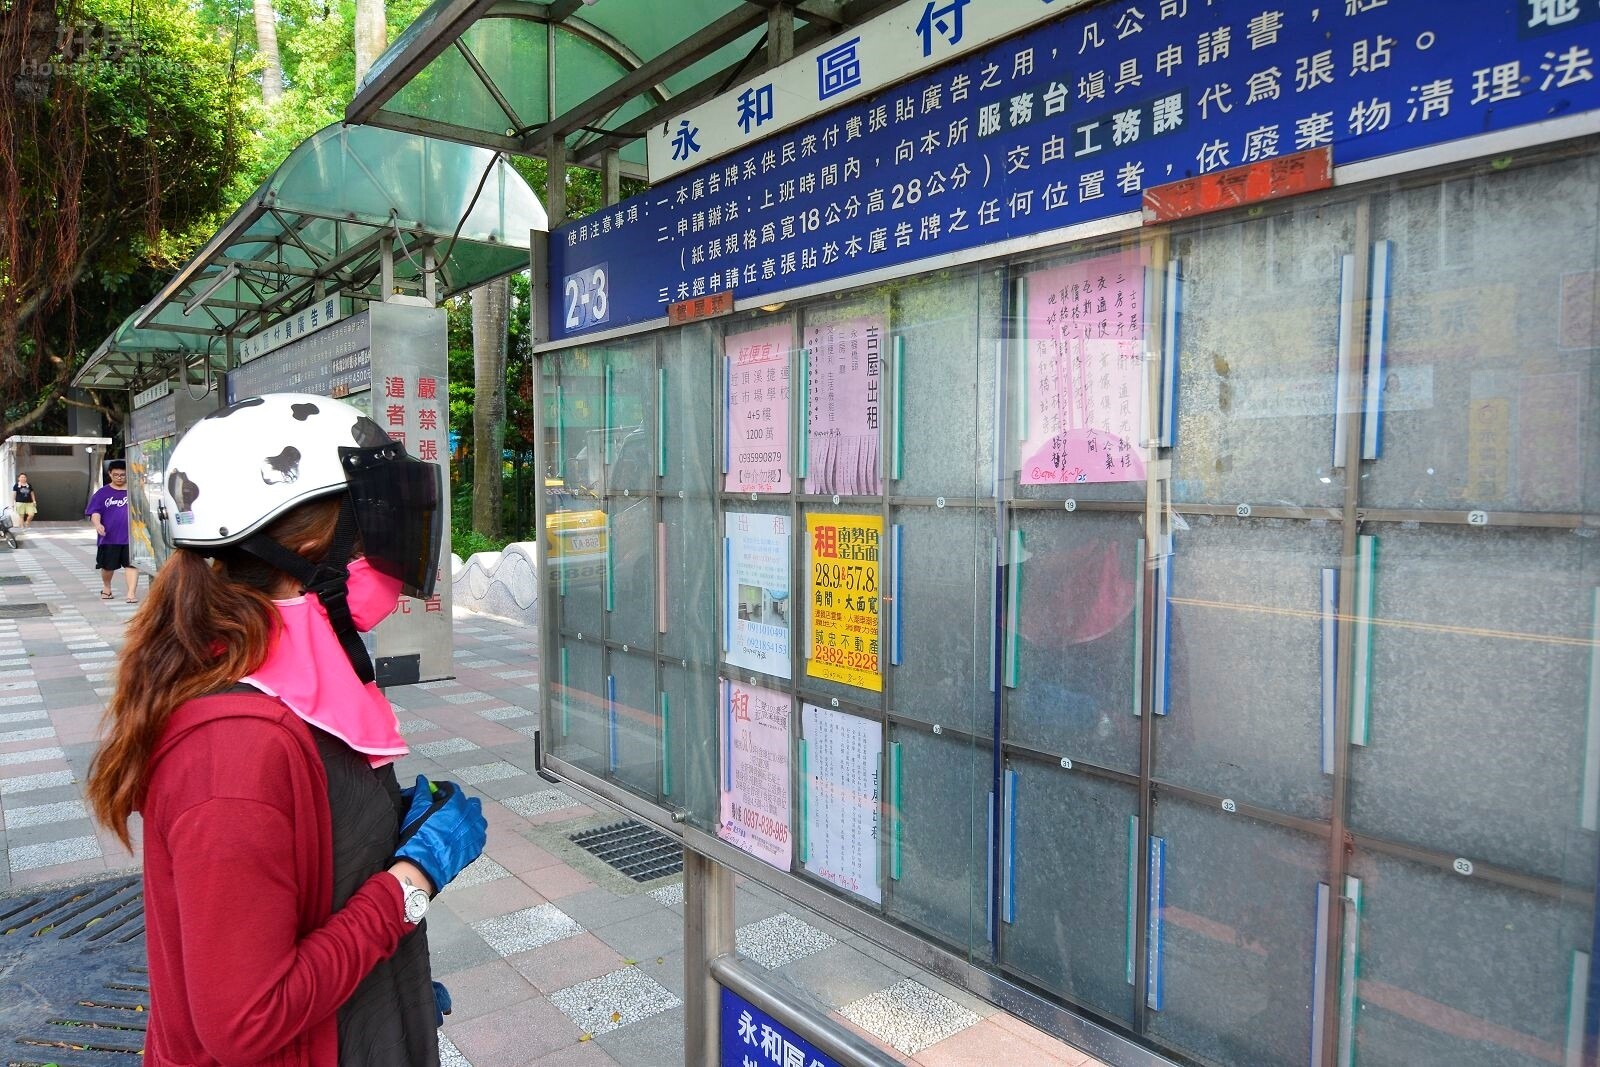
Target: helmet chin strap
<point>326,579</point>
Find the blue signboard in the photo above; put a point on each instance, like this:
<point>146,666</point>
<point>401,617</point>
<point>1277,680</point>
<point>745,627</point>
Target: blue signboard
<point>752,1038</point>
<point>1067,123</point>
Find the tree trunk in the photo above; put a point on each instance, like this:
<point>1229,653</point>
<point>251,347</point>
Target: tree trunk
<point>372,35</point>
<point>490,306</point>
<point>267,48</point>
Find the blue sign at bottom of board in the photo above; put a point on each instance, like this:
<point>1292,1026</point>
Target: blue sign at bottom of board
<point>752,1038</point>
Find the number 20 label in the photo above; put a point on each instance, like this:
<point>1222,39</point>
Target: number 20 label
<point>586,296</point>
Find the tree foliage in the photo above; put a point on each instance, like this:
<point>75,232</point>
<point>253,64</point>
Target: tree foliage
<point>121,129</point>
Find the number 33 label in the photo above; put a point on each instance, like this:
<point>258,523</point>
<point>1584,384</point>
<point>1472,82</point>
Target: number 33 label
<point>587,298</point>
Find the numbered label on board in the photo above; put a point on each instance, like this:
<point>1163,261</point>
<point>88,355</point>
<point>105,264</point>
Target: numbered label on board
<point>586,296</point>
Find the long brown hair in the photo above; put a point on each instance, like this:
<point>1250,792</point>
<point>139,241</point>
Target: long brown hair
<point>202,627</point>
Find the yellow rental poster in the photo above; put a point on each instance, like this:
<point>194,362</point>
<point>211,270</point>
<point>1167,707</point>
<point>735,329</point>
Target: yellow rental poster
<point>845,584</point>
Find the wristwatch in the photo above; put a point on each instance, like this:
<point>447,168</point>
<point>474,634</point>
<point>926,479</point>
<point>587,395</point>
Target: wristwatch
<point>416,901</point>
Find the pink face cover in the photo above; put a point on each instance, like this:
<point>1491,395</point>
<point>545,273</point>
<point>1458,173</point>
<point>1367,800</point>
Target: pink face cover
<point>307,669</point>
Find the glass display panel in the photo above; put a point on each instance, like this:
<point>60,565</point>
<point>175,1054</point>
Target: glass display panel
<point>1457,645</point>
<point>1074,907</point>
<point>1258,353</point>
<point>1076,689</point>
<point>631,592</point>
<point>1237,931</point>
<point>575,521</point>
<point>944,616</point>
<point>689,765</point>
<point>1488,340</point>
<point>690,369</point>
<point>1478,695</point>
<point>949,330</point>
<point>1460,972</point>
<point>1245,707</point>
<point>634,711</point>
<point>688,567</point>
<point>579,706</point>
<point>939,827</point>
<point>627,449</point>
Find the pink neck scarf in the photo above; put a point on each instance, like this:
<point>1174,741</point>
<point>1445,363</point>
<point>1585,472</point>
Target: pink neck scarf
<point>308,670</point>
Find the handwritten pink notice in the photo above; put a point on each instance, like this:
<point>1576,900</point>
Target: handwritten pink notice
<point>845,405</point>
<point>758,410</point>
<point>1085,375</point>
<point>754,812</point>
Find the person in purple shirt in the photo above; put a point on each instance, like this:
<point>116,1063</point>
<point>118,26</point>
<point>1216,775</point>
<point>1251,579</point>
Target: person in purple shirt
<point>108,510</point>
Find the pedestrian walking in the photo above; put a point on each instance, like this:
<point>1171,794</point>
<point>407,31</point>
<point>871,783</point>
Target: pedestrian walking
<point>108,510</point>
<point>287,874</point>
<point>25,500</point>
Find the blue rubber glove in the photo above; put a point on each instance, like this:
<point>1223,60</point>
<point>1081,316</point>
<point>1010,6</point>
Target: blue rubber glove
<point>442,831</point>
<point>441,1003</point>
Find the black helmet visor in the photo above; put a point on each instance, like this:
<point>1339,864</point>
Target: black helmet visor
<point>398,504</point>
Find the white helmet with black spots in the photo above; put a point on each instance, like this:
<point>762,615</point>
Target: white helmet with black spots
<point>238,469</point>
<point>241,467</point>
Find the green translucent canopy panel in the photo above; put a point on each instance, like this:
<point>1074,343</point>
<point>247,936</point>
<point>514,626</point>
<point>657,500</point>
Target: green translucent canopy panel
<point>485,71</point>
<point>318,227</point>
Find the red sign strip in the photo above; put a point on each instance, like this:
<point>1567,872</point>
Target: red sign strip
<point>1269,179</point>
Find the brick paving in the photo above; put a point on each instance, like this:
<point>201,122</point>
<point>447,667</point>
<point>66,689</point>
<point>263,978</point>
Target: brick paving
<point>552,958</point>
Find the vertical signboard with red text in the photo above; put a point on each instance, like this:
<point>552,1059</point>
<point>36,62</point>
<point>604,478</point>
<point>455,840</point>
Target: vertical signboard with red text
<point>410,399</point>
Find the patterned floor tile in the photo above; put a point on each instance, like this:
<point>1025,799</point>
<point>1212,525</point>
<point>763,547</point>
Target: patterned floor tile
<point>613,1000</point>
<point>778,940</point>
<point>908,1016</point>
<point>546,800</point>
<point>526,929</point>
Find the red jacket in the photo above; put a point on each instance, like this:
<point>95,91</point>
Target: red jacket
<point>247,965</point>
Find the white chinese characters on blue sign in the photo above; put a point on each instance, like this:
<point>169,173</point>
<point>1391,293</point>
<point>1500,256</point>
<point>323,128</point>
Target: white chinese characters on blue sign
<point>751,1038</point>
<point>1069,122</point>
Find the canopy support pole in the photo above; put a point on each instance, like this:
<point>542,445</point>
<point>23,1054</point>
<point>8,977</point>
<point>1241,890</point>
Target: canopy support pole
<point>780,34</point>
<point>555,204</point>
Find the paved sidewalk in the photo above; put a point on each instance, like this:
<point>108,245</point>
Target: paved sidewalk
<point>552,957</point>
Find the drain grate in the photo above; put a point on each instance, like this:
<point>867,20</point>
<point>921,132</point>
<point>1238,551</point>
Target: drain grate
<point>635,849</point>
<point>75,958</point>
<point>23,611</point>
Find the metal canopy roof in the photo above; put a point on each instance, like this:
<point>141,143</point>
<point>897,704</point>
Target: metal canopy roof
<point>482,72</point>
<point>132,358</point>
<point>318,227</point>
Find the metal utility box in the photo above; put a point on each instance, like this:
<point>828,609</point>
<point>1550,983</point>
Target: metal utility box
<point>391,362</point>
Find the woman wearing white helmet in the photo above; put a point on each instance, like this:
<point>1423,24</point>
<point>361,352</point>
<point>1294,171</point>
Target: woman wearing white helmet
<point>286,872</point>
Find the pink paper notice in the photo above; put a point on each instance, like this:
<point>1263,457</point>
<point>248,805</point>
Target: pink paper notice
<point>844,405</point>
<point>1085,375</point>
<point>758,410</point>
<point>755,772</point>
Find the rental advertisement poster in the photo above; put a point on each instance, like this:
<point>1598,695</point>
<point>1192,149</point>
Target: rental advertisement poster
<point>842,757</point>
<point>844,404</point>
<point>756,557</point>
<point>757,410</point>
<point>755,772</point>
<point>845,602</point>
<point>1081,417</point>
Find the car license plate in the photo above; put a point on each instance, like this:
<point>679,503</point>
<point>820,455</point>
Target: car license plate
<point>584,542</point>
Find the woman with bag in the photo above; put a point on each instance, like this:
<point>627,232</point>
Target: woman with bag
<point>286,872</point>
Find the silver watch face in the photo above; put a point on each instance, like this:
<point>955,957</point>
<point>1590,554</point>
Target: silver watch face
<point>416,904</point>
